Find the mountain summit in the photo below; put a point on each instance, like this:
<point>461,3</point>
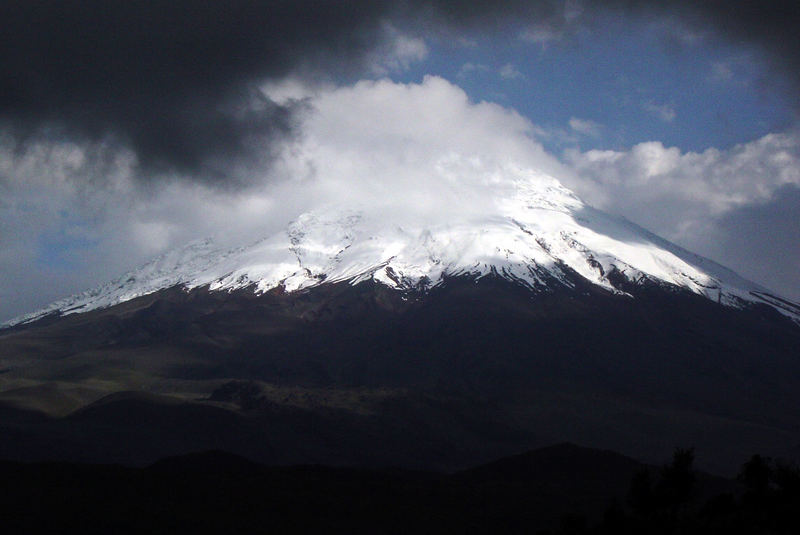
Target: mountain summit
<point>435,337</point>
<point>536,233</point>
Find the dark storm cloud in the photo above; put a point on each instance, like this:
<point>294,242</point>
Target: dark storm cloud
<point>769,25</point>
<point>171,79</point>
<point>175,80</point>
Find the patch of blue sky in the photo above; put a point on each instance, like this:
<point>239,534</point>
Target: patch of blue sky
<point>63,248</point>
<point>637,82</point>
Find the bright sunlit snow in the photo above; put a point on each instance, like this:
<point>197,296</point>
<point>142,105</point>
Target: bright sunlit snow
<point>533,236</point>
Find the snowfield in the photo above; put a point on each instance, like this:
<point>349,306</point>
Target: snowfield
<point>535,235</point>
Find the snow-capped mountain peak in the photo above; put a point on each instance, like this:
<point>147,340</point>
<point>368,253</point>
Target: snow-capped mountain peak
<point>538,234</point>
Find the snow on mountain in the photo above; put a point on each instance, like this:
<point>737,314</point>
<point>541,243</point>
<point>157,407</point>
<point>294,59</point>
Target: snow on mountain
<point>536,234</point>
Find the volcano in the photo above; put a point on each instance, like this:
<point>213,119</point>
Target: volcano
<point>539,236</point>
<point>366,336</point>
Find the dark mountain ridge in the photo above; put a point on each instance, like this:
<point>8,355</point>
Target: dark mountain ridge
<point>213,491</point>
<point>366,374</point>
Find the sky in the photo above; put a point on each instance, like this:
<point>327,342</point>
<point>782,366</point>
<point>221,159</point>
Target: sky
<point>127,129</point>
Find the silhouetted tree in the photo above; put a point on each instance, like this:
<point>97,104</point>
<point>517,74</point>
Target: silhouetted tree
<point>640,495</point>
<point>787,478</point>
<point>573,524</point>
<point>755,475</point>
<point>615,521</point>
<point>676,484</point>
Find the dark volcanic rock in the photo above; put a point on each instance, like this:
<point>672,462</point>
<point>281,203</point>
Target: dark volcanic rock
<point>469,371</point>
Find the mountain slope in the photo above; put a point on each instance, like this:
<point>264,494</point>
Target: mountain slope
<point>364,374</point>
<point>538,234</point>
<point>363,336</point>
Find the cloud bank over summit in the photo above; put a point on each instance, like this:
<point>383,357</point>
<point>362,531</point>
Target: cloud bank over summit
<point>422,149</point>
<point>397,149</point>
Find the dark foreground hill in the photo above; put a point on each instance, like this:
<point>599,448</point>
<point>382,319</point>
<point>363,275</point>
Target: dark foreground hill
<point>216,492</point>
<point>369,376</point>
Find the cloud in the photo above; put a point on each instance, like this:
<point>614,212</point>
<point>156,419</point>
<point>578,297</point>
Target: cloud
<point>465,42</point>
<point>469,68</point>
<point>665,112</point>
<point>175,83</point>
<point>770,27</point>
<point>734,70</point>
<point>171,82</point>
<point>714,180</point>
<point>509,72</point>
<point>721,71</point>
<point>419,148</point>
<point>585,127</point>
<point>74,213</point>
<point>564,19</point>
<point>542,35</point>
<point>127,127</point>
<point>397,53</point>
<point>702,199</point>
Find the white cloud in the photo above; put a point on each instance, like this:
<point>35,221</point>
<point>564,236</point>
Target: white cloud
<point>73,215</point>
<point>470,68</point>
<point>741,69</point>
<point>712,202</point>
<point>585,126</point>
<point>467,43</point>
<point>398,52</point>
<point>422,149</point>
<point>721,71</point>
<point>677,193</point>
<point>546,32</point>
<point>665,112</point>
<point>541,35</point>
<point>509,72</point>
<point>686,35</point>
<point>573,9</point>
<point>412,148</point>
<point>285,91</point>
